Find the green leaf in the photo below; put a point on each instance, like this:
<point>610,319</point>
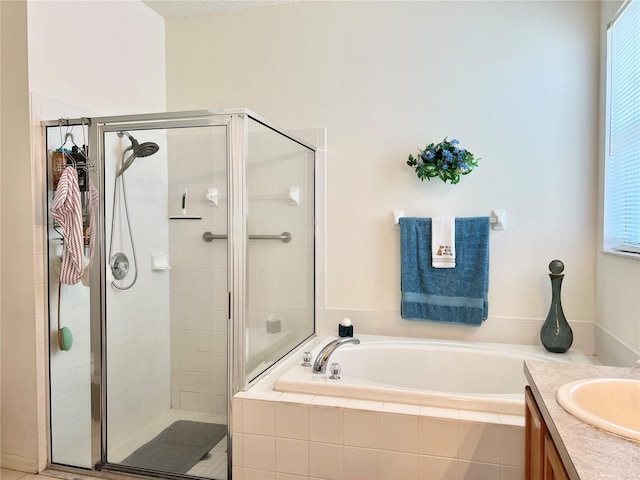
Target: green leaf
<point>433,168</point>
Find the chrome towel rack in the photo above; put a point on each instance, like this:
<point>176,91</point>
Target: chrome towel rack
<point>497,219</point>
<point>284,237</point>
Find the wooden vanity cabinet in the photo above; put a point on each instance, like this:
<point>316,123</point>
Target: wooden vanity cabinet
<point>542,461</point>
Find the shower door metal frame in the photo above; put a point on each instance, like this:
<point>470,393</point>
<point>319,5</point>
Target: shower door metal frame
<point>98,331</point>
<point>236,122</point>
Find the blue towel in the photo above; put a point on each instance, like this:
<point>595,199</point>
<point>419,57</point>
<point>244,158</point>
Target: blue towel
<point>450,295</point>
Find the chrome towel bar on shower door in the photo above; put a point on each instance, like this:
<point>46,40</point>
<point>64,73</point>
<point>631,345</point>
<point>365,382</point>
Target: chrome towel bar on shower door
<point>284,237</point>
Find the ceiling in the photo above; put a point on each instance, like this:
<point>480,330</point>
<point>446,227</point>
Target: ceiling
<point>189,8</point>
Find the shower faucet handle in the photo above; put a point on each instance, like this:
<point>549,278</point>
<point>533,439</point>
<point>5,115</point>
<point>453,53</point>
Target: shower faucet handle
<point>306,359</point>
<point>119,266</point>
<point>335,370</point>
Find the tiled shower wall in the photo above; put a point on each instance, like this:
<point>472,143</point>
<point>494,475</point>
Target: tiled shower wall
<point>138,333</point>
<point>197,162</point>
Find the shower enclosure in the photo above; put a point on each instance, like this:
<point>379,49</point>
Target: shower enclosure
<point>194,274</point>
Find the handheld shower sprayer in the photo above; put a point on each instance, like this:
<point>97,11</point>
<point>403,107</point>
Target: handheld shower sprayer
<point>138,150</point>
<point>119,262</point>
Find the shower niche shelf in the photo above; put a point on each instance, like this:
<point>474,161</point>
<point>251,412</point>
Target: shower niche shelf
<point>292,197</point>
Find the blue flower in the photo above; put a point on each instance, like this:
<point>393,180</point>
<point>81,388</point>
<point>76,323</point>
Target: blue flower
<point>444,160</point>
<point>427,155</point>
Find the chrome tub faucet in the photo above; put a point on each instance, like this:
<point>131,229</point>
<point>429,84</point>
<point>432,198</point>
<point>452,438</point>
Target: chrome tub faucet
<point>320,365</point>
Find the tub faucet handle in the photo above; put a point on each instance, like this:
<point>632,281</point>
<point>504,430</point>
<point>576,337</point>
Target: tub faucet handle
<point>306,359</point>
<point>335,370</point>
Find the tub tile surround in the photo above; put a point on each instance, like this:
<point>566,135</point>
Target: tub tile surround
<point>317,437</point>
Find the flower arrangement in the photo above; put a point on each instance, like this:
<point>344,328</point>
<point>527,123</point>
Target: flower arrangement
<point>444,160</point>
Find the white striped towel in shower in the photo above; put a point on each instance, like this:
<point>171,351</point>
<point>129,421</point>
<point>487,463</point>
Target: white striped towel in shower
<point>67,211</point>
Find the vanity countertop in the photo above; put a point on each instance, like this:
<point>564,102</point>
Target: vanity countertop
<point>587,452</point>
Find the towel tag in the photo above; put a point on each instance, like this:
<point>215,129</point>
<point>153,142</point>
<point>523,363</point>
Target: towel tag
<point>443,236</point>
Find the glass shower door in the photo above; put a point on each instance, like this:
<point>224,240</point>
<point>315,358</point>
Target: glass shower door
<point>280,251</point>
<point>198,276</point>
<point>166,299</point>
<point>69,304</point>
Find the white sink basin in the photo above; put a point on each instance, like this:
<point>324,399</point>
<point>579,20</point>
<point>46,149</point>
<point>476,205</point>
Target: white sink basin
<point>611,404</point>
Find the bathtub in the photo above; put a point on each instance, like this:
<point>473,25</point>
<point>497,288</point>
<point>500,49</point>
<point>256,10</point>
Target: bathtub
<point>437,373</point>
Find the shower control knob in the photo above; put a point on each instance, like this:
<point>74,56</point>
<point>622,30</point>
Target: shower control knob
<point>306,359</point>
<point>335,370</point>
<point>119,266</point>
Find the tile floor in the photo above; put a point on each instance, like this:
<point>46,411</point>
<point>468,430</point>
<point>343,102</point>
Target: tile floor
<point>14,475</point>
<point>210,469</point>
<point>213,467</point>
<point>6,474</point>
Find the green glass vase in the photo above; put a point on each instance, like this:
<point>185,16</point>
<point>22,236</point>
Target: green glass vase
<point>556,334</point>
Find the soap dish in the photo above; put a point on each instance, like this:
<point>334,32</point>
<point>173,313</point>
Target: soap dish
<point>159,262</point>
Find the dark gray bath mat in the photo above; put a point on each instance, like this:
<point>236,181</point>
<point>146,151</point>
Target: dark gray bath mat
<point>178,447</point>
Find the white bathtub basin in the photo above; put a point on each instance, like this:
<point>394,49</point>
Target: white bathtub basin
<point>434,373</point>
<point>610,404</point>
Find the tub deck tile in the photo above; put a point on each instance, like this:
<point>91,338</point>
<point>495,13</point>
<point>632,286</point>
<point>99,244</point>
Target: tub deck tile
<point>364,405</point>
<point>401,408</point>
<point>479,417</point>
<point>300,398</point>
<point>512,420</point>
<point>437,412</point>
<point>326,401</point>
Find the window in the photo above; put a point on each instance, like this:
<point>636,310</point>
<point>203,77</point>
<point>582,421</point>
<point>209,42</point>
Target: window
<point>622,147</point>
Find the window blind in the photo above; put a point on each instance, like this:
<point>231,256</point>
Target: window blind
<point>622,157</point>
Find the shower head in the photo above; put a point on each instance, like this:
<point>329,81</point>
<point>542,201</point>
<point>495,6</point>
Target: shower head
<point>145,149</point>
<point>138,150</point>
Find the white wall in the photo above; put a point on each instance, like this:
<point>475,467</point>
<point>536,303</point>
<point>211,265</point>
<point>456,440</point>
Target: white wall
<point>105,57</point>
<point>618,287</point>
<point>516,82</point>
<point>22,360</point>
